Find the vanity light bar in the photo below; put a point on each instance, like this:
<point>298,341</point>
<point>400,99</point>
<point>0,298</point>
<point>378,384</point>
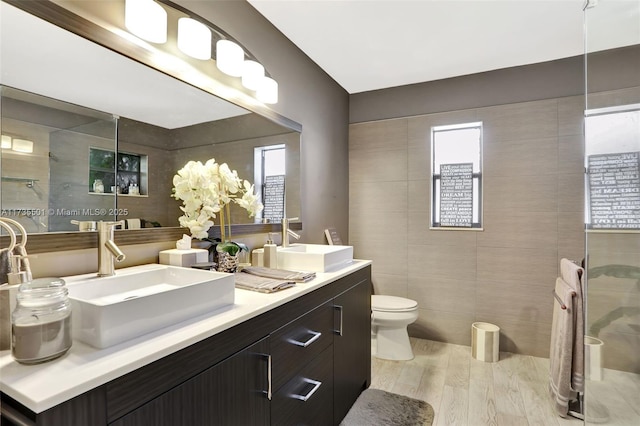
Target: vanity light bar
<point>147,19</point>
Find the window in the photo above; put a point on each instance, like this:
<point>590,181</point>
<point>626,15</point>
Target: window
<point>117,173</point>
<point>270,180</point>
<point>456,171</point>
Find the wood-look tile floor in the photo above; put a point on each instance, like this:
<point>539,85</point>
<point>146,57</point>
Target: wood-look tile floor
<point>511,392</point>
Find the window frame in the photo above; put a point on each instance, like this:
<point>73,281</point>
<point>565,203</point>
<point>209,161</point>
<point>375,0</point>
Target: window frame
<point>476,178</point>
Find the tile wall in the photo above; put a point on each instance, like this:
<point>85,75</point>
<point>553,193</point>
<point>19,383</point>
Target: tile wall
<point>533,216</point>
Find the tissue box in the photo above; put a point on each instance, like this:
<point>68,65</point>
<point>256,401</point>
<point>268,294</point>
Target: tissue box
<point>184,258</point>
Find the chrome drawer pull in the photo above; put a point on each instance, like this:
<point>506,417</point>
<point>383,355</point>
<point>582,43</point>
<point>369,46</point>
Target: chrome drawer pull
<point>316,384</point>
<point>268,392</point>
<point>315,335</point>
<point>339,330</point>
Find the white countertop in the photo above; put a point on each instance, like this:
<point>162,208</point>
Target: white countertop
<point>43,386</point>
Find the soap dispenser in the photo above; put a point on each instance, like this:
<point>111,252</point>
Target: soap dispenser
<point>270,254</point>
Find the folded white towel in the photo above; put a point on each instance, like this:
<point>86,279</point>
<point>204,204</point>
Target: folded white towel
<point>260,284</point>
<point>280,274</point>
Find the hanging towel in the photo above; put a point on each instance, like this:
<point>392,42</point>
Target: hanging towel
<point>5,265</point>
<point>25,266</point>
<point>573,275</point>
<point>566,353</point>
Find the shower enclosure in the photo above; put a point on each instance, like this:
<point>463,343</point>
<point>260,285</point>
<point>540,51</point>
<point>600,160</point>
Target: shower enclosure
<point>612,211</point>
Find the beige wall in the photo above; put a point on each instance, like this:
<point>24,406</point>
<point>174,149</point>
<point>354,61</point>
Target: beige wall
<point>533,210</point>
<point>533,216</point>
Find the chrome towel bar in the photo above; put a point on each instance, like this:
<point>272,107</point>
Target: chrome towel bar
<point>560,302</point>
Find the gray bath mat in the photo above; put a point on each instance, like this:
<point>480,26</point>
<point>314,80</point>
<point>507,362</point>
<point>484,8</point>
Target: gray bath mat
<point>375,407</point>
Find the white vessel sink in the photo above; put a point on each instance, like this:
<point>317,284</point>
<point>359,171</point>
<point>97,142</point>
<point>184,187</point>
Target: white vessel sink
<point>314,257</point>
<point>137,300</point>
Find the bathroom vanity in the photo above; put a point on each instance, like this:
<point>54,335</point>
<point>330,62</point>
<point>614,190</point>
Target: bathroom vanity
<point>299,356</point>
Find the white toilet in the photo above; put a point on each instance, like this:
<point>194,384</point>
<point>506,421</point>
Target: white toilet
<point>389,320</point>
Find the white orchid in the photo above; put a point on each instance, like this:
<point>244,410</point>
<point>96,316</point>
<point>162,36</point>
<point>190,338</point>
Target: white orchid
<point>205,191</point>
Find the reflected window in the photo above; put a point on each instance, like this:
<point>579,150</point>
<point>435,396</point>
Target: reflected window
<point>270,180</point>
<point>121,174</point>
<point>612,163</point>
<point>456,171</point>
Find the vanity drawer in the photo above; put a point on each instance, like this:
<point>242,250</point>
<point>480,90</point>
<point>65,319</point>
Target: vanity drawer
<point>304,399</point>
<point>298,342</point>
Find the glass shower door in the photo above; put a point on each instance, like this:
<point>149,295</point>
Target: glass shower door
<point>612,212</point>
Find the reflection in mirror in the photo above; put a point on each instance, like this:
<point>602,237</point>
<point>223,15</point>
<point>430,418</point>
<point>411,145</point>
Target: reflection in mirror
<point>113,133</point>
<point>48,185</point>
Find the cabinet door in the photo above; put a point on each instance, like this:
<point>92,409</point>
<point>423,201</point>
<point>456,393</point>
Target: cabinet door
<point>351,347</point>
<point>233,392</point>
<point>306,399</point>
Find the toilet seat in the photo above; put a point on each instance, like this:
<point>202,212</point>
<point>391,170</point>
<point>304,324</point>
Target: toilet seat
<point>383,303</point>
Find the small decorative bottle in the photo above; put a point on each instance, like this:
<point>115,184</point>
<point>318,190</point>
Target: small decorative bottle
<point>98,186</point>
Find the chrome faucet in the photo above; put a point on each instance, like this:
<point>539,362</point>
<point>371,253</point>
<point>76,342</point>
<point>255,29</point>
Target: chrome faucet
<point>108,251</point>
<point>286,231</point>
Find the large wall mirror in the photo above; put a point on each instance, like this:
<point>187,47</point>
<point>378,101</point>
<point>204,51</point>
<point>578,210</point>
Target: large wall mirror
<point>90,134</point>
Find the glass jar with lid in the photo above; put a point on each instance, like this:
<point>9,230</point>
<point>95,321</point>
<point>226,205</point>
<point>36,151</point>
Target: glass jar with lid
<point>41,321</point>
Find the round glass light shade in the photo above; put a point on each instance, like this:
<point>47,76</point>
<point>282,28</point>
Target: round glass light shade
<point>194,38</point>
<point>146,19</point>
<point>268,91</point>
<point>252,74</point>
<point>23,145</point>
<point>229,58</point>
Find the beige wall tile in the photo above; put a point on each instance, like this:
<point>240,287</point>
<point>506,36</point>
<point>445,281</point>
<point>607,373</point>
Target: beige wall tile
<point>536,267</point>
<point>391,285</point>
<point>523,121</point>
<point>456,262</point>
<point>571,154</point>
<point>527,229</point>
<point>372,166</point>
<point>450,327</point>
<point>520,194</point>
<point>523,337</point>
<point>388,258</point>
<point>442,294</point>
<point>512,301</point>
<point>419,195</point>
<point>380,196</point>
<point>421,234</point>
<point>620,351</point>
<point>366,225</point>
<point>571,115</point>
<point>606,242</point>
<point>520,157</point>
<point>610,98</point>
<point>571,235</point>
<point>419,162</point>
<point>571,193</point>
<point>378,135</point>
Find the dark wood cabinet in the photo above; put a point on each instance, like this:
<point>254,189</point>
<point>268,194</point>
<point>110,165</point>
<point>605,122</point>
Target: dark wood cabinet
<point>233,392</point>
<point>303,362</point>
<point>351,347</point>
<point>306,398</point>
